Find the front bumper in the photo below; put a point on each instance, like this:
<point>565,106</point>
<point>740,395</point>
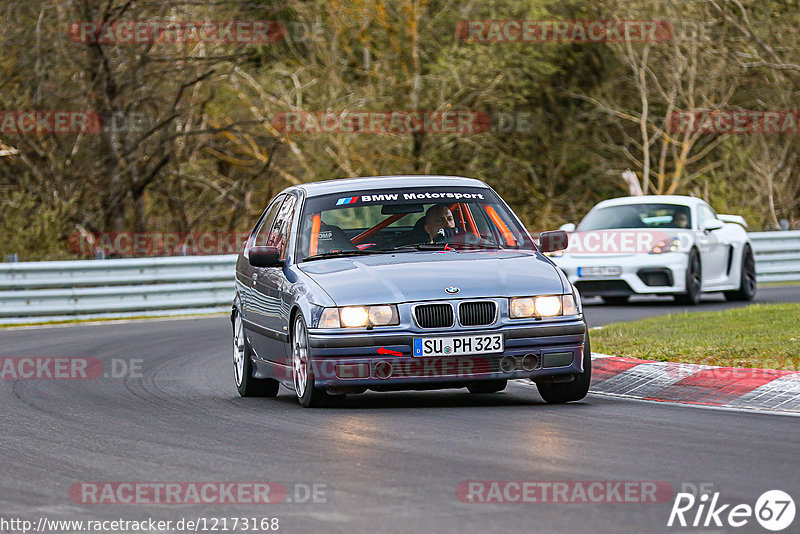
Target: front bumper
<point>640,273</point>
<point>540,351</point>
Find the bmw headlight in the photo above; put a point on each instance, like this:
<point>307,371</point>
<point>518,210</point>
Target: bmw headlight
<point>670,245</point>
<point>359,316</point>
<point>542,306</point>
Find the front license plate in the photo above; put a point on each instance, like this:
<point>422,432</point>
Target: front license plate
<point>458,346</point>
<point>601,270</point>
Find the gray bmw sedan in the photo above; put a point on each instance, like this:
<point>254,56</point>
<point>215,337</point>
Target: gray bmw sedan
<point>402,282</point>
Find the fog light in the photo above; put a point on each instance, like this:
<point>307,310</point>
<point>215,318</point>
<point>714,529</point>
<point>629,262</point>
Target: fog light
<point>508,364</point>
<point>530,362</point>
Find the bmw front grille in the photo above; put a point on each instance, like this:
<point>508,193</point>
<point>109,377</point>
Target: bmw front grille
<point>434,315</point>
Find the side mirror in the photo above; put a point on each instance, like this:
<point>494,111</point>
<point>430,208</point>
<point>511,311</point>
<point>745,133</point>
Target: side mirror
<point>265,257</point>
<point>712,224</point>
<point>553,241</point>
<point>569,227</point>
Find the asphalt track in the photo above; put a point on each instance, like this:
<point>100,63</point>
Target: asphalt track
<point>389,462</point>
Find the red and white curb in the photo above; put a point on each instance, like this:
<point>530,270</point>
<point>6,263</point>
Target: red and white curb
<point>706,385</point>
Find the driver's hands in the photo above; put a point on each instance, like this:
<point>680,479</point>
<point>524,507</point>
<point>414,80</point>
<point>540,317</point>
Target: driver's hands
<point>445,234</point>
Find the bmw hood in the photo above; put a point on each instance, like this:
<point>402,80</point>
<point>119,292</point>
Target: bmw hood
<point>410,277</point>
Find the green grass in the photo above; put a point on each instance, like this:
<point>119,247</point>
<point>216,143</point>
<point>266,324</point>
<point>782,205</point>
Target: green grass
<point>780,284</point>
<point>765,336</point>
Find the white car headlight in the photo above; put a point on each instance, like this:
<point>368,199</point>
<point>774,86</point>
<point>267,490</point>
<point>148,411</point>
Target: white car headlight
<point>542,306</point>
<point>670,245</point>
<point>356,316</point>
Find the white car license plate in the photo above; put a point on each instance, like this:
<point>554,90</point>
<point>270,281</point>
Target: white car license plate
<point>600,270</point>
<point>458,346</point>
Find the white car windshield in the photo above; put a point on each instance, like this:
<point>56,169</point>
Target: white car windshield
<point>637,216</point>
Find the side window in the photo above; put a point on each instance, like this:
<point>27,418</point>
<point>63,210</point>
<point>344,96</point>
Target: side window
<point>279,235</point>
<point>701,217</point>
<point>262,233</point>
<point>705,214</point>
<point>480,218</point>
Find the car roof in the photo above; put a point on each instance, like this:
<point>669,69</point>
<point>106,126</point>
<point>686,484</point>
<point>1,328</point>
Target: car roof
<point>384,182</point>
<point>651,199</point>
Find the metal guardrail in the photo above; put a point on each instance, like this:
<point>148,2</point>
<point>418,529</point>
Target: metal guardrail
<point>777,256</point>
<point>35,292</point>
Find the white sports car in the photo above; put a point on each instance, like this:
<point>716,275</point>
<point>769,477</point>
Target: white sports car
<point>658,244</point>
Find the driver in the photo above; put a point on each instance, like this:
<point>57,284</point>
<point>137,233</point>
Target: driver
<point>439,223</point>
<point>680,219</point>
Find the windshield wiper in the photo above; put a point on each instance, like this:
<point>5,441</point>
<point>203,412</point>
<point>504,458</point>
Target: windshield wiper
<point>482,246</point>
<point>418,246</point>
<point>445,246</point>
<point>344,253</point>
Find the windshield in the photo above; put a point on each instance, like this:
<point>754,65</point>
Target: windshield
<point>397,220</point>
<point>637,216</point>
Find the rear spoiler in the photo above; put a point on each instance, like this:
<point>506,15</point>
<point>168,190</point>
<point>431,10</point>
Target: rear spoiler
<point>736,219</point>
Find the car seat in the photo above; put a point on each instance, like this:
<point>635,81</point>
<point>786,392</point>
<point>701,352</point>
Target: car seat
<point>333,238</point>
<point>415,236</point>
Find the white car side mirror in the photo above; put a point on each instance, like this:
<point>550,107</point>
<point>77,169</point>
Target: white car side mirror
<point>712,224</point>
<point>569,227</point>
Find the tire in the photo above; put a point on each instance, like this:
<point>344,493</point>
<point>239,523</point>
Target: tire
<point>616,301</point>
<point>694,280</point>
<point>488,386</point>
<point>747,278</point>
<point>303,371</point>
<point>560,393</point>
<point>243,366</point>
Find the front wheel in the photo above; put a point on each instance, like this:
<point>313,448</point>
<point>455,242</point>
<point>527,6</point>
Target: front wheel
<point>694,280</point>
<point>243,366</point>
<point>560,393</point>
<point>747,279</point>
<point>303,370</point>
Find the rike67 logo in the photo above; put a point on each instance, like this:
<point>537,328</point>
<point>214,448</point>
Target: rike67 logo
<point>774,510</point>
